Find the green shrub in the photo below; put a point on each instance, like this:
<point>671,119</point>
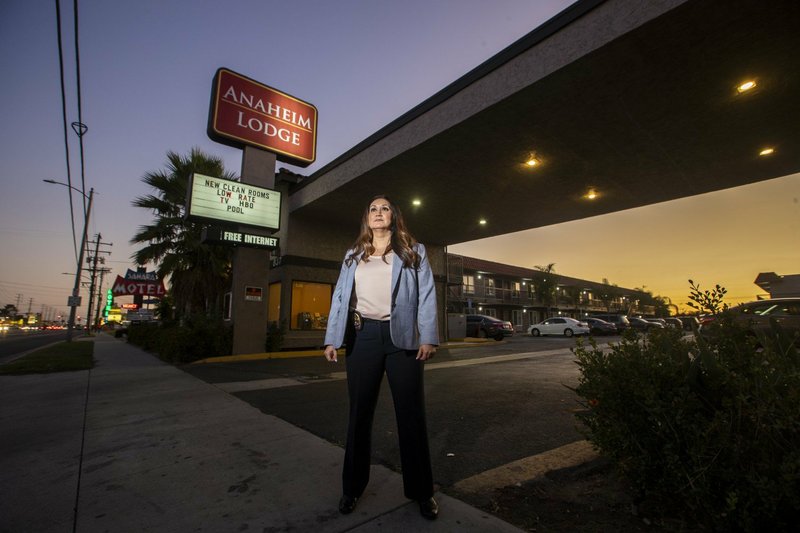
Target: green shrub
<point>197,338</point>
<point>275,335</point>
<point>144,335</point>
<point>711,425</point>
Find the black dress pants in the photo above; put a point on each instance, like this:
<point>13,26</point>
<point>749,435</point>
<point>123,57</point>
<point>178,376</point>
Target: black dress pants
<point>369,354</point>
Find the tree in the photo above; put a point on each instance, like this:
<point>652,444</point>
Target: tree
<point>545,285</point>
<point>198,273</point>
<point>9,311</point>
<point>609,294</point>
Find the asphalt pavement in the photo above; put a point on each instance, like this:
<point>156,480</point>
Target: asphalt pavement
<point>138,445</point>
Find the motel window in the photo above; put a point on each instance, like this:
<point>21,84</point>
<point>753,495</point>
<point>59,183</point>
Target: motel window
<point>311,303</point>
<point>517,318</point>
<point>469,284</point>
<point>489,287</point>
<point>516,289</point>
<point>274,306</point>
<point>490,312</point>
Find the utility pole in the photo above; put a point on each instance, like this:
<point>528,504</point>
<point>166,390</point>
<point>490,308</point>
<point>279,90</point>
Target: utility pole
<point>99,295</point>
<point>94,260</point>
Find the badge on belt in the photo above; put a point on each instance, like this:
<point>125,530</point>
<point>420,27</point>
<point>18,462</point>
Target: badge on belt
<point>358,320</point>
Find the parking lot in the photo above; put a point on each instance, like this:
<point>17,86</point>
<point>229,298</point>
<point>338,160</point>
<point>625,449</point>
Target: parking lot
<point>488,405</point>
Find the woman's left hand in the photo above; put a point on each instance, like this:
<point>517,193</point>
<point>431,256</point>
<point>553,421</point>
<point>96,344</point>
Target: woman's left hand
<point>425,352</point>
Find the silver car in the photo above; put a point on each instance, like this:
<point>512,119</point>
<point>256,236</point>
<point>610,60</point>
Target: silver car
<point>559,326</point>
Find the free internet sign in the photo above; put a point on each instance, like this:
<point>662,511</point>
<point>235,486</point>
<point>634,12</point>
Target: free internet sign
<point>245,112</point>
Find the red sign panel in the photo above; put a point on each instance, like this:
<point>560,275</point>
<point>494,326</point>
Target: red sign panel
<point>133,287</point>
<point>130,306</point>
<point>245,112</point>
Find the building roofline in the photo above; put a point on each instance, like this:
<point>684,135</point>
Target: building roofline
<point>531,39</point>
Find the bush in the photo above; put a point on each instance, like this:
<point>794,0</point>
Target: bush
<point>709,424</point>
<point>275,335</point>
<point>197,338</point>
<point>144,334</point>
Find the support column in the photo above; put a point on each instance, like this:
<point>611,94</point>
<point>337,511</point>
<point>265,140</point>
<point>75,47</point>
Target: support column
<point>251,265</point>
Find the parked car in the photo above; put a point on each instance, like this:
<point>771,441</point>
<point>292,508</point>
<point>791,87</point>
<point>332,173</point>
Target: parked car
<point>657,321</point>
<point>756,316</point>
<point>690,323</point>
<point>483,326</point>
<point>640,324</point>
<point>621,321</point>
<point>598,326</point>
<point>559,326</point>
<point>674,322</point>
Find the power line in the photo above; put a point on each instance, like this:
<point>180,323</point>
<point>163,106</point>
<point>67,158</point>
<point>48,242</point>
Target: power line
<point>79,127</point>
<point>64,119</point>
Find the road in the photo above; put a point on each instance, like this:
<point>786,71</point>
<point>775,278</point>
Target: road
<point>15,343</point>
<point>487,405</point>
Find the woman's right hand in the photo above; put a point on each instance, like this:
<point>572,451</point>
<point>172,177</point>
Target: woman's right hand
<point>330,353</point>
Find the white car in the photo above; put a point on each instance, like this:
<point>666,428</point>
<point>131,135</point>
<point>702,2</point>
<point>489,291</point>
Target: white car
<point>559,326</point>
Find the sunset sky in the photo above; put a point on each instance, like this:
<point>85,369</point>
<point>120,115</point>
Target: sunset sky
<point>146,78</point>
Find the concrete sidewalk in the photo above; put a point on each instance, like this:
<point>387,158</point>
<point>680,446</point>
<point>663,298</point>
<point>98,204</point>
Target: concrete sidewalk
<point>164,451</point>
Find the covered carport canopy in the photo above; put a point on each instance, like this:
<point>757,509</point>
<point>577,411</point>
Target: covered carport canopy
<point>636,101</point>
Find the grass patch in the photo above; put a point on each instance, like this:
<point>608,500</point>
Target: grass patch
<point>61,357</point>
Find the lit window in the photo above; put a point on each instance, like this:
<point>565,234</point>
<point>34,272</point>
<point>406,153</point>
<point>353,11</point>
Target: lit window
<point>274,305</point>
<point>311,303</point>
<point>489,287</point>
<point>469,284</point>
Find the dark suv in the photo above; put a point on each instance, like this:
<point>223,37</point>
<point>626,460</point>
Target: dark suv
<point>483,326</point>
<point>756,316</point>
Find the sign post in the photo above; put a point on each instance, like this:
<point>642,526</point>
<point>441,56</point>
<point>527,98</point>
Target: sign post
<point>251,267</point>
<point>270,126</point>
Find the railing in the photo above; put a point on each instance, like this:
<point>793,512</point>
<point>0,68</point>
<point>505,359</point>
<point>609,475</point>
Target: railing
<point>504,296</point>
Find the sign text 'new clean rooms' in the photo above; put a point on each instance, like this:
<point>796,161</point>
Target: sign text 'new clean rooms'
<point>235,202</point>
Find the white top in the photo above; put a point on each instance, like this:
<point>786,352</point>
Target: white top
<point>373,287</point>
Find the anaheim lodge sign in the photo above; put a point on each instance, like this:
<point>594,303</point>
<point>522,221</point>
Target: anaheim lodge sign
<point>139,284</point>
<point>245,112</point>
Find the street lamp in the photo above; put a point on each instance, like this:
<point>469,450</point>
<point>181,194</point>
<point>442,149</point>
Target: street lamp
<point>74,301</point>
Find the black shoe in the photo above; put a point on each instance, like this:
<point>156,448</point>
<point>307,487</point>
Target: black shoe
<point>347,504</point>
<point>429,508</point>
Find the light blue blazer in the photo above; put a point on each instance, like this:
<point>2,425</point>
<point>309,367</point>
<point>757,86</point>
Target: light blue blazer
<point>413,319</point>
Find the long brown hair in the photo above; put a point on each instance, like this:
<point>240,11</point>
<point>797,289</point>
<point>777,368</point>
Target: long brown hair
<point>402,242</point>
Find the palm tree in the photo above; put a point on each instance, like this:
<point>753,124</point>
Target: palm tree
<point>198,273</point>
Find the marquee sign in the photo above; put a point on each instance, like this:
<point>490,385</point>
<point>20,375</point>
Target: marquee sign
<point>246,112</point>
<point>235,202</point>
<point>138,284</point>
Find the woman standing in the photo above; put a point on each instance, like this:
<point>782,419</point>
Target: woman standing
<point>384,306</point>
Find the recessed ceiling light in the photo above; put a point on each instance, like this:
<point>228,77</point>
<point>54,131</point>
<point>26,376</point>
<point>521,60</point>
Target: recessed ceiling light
<point>591,195</point>
<point>532,161</point>
<point>746,86</point>
<point>416,202</point>
<point>482,222</point>
<point>767,151</point>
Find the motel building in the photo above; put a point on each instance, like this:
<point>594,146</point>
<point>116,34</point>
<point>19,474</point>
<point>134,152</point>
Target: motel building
<point>608,106</point>
<point>473,286</point>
